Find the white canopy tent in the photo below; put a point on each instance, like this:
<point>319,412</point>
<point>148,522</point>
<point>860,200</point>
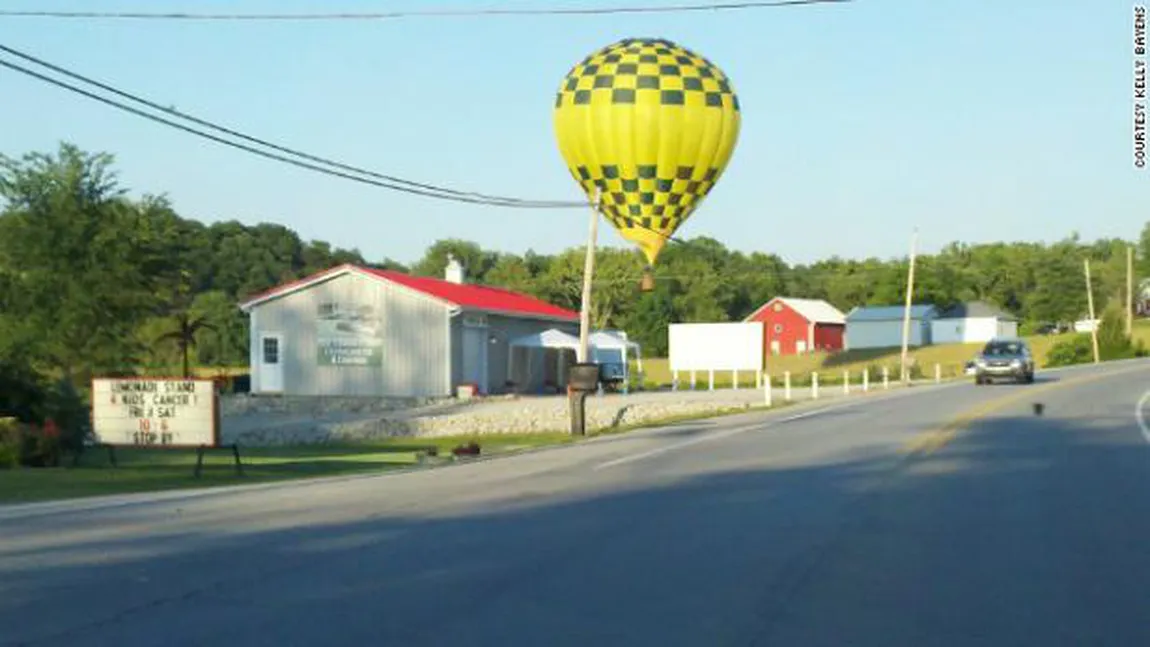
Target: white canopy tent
<point>551,339</point>
<point>612,346</point>
<point>607,347</point>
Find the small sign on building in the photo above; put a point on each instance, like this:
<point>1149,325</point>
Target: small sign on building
<point>155,412</point>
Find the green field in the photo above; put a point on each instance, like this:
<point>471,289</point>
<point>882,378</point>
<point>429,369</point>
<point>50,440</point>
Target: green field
<point>140,470</point>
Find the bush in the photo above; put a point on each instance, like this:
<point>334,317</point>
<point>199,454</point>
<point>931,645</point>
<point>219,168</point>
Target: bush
<point>69,416</point>
<point>1076,350</point>
<point>28,445</point>
<point>10,443</point>
<point>41,446</point>
<point>1112,344</point>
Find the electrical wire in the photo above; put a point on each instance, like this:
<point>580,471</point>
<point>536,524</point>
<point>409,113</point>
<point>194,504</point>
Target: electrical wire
<point>392,15</point>
<point>256,151</point>
<point>503,201</point>
<point>381,180</point>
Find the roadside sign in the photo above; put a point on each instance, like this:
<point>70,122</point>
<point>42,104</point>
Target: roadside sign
<point>155,412</point>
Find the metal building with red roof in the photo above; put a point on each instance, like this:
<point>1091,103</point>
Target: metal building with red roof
<point>359,331</point>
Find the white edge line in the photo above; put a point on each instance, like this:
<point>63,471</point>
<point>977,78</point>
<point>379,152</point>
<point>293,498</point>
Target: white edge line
<point>1141,418</point>
<point>680,445</point>
<point>725,434</point>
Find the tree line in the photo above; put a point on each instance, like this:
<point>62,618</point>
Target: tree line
<point>94,282</point>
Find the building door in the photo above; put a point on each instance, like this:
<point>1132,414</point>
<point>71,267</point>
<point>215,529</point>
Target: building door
<point>801,346</point>
<point>475,357</point>
<point>271,367</point>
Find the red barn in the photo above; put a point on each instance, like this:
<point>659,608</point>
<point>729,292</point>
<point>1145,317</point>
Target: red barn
<point>794,326</point>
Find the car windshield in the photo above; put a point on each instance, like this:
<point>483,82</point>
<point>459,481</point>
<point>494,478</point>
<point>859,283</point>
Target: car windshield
<point>998,349</point>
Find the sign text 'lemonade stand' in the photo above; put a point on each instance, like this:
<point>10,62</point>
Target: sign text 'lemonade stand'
<point>154,412</point>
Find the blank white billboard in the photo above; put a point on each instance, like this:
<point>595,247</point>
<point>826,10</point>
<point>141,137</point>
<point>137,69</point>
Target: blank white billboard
<point>161,412</point>
<point>716,346</point>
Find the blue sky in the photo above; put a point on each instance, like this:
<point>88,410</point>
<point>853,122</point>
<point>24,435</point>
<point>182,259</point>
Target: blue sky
<point>974,120</point>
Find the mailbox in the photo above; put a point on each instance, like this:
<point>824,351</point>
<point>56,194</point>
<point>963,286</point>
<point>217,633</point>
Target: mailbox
<point>583,377</point>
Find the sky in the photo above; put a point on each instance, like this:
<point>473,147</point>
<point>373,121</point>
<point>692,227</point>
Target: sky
<point>972,120</point>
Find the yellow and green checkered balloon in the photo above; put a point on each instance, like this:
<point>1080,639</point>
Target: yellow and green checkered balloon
<point>650,126</point>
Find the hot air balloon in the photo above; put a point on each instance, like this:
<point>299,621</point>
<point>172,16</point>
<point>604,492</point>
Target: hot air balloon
<point>647,127</point>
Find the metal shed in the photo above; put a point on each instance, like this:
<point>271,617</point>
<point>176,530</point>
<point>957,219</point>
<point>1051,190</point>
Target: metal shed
<point>976,321</point>
<point>881,326</point>
<point>359,331</point>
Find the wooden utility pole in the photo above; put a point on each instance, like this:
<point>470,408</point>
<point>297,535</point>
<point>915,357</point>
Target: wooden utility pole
<point>1129,291</point>
<point>906,312</point>
<point>1090,307</point>
<point>588,272</point>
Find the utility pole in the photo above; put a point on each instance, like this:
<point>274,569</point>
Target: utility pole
<point>906,311</point>
<point>1129,291</point>
<point>584,377</point>
<point>1090,307</point>
<point>588,272</point>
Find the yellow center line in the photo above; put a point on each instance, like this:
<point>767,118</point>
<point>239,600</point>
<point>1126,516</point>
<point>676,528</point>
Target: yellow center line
<point>933,440</point>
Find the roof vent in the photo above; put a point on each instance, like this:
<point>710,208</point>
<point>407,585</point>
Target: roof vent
<point>454,271</point>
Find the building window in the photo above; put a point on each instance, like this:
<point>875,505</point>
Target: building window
<point>271,350</point>
<point>778,328</point>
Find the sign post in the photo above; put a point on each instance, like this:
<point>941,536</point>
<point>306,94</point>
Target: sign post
<point>158,413</point>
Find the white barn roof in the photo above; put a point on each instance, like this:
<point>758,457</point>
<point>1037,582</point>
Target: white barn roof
<point>813,310</point>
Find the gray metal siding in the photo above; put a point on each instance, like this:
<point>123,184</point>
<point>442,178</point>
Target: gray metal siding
<point>503,329</point>
<point>456,352</point>
<point>414,340</point>
<point>507,328</point>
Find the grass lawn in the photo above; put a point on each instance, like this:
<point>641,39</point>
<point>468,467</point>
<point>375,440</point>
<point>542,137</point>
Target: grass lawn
<point>140,470</point>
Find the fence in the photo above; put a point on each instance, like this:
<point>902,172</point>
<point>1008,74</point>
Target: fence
<point>867,379</point>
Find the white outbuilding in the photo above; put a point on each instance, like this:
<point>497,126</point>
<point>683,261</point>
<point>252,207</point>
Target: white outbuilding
<point>973,322</point>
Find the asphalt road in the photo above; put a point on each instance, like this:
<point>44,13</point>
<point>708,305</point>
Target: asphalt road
<point>934,516</point>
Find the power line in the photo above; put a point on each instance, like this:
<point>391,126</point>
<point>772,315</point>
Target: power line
<point>380,180</point>
<point>256,151</point>
<point>392,15</point>
<point>344,170</point>
<point>386,181</point>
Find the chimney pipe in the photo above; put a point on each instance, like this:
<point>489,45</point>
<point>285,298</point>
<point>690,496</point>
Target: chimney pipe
<point>454,271</point>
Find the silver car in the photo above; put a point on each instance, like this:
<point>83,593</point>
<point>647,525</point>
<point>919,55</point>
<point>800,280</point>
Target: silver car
<point>1004,358</point>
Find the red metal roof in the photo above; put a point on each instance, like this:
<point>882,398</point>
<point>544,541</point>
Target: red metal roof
<point>291,286</point>
<point>478,297</point>
<point>469,296</point>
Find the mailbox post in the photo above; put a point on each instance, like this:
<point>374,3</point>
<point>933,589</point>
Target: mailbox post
<point>582,380</point>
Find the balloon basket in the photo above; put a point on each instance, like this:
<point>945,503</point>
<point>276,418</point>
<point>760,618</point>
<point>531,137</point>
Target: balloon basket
<point>648,282</point>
